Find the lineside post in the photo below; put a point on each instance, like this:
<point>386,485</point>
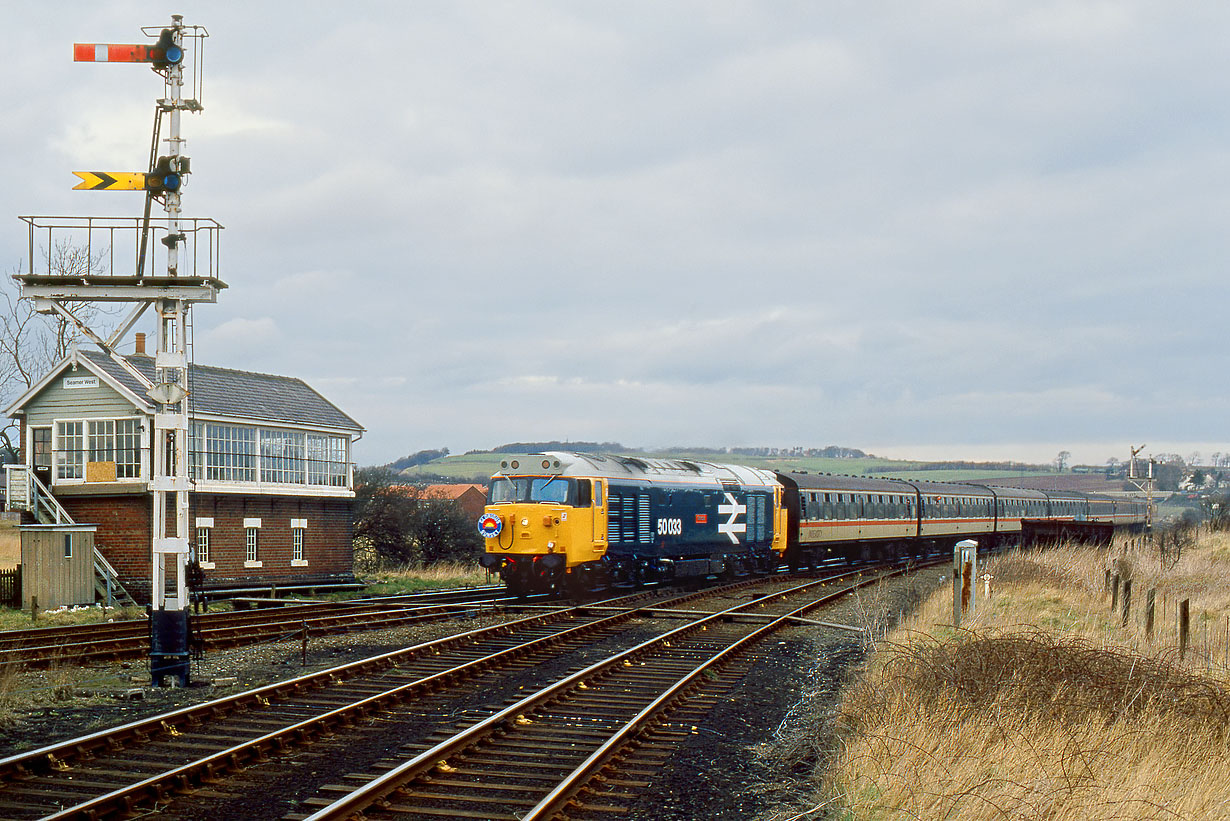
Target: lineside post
<point>964,575</point>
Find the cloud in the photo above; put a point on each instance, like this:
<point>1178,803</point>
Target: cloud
<point>238,339</point>
<point>955,224</point>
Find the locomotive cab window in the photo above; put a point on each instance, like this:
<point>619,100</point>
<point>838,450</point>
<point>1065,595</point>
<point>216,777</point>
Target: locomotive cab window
<point>549,490</point>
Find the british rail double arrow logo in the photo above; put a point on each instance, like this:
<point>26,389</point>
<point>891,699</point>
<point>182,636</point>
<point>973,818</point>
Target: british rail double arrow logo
<point>110,181</point>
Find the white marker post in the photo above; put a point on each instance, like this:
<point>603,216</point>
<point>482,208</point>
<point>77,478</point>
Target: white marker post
<point>964,576</point>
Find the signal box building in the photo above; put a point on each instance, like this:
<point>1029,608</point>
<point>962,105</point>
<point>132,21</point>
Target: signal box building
<point>269,459</point>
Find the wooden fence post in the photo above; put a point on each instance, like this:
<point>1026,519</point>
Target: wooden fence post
<point>1150,602</point>
<point>1127,601</point>
<point>1184,624</point>
<point>1114,593</point>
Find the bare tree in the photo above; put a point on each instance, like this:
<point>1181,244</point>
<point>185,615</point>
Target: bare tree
<point>1061,460</point>
<point>30,343</point>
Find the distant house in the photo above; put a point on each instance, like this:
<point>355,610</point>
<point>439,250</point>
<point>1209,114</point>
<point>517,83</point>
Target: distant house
<point>471,499</point>
<point>269,458</point>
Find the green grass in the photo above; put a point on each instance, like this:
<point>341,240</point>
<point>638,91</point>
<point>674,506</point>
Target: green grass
<point>13,619</point>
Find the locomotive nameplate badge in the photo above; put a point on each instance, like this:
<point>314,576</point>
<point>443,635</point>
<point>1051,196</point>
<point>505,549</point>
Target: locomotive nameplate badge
<point>730,527</point>
<point>490,525</point>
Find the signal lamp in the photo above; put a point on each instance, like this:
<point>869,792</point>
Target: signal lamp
<point>164,178</point>
<point>171,54</point>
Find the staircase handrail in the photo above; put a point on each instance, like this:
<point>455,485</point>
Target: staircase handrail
<point>44,496</point>
<point>102,565</point>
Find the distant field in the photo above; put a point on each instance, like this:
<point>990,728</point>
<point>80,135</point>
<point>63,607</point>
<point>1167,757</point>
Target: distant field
<point>483,465</point>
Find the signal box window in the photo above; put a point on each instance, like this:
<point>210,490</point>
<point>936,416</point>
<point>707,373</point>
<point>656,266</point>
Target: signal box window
<point>70,456</point>
<point>202,545</point>
<point>251,544</point>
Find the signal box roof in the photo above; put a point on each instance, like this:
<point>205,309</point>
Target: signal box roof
<point>215,392</point>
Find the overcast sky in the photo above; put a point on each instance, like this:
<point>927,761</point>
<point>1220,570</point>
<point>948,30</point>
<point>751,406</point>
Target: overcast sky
<point>943,229</point>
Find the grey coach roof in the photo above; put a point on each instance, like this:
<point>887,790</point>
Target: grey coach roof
<point>238,394</point>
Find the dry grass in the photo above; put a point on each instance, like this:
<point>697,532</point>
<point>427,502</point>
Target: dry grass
<point>410,578</point>
<point>1045,706</point>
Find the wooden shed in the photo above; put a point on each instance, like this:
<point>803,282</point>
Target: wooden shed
<point>57,565</point>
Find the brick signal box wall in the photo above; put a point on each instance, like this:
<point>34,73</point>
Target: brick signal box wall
<point>124,536</point>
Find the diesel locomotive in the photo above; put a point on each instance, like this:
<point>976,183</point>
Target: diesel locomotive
<point>582,522</point>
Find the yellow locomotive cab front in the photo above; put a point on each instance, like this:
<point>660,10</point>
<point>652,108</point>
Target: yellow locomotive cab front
<point>538,528</point>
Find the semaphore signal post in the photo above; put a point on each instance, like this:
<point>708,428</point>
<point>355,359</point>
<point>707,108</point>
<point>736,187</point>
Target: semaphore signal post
<point>190,248</point>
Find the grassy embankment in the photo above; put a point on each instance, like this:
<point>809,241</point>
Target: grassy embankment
<point>1045,706</point>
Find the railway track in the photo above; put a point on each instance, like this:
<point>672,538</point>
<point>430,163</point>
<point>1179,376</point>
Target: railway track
<point>538,757</point>
<point>91,643</point>
<point>591,670</point>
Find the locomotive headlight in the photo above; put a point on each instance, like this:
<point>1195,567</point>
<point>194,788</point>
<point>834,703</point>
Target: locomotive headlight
<point>525,522</point>
<point>550,546</point>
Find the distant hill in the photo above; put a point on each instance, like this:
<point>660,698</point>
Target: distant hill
<point>1080,482</point>
<point>478,466</point>
<point>576,447</point>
